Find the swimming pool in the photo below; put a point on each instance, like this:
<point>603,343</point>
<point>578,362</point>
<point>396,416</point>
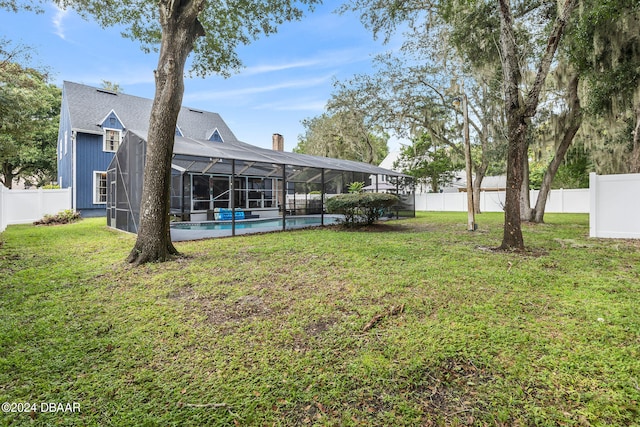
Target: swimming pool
<point>204,230</point>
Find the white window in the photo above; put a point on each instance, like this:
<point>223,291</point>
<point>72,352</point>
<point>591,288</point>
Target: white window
<point>66,142</point>
<point>112,138</point>
<point>99,188</point>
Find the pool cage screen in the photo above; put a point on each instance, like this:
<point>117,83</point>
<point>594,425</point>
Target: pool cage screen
<point>235,182</point>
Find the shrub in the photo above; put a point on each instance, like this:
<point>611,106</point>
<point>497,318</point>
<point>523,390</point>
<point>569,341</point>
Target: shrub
<point>62,217</point>
<point>360,208</point>
<point>356,187</point>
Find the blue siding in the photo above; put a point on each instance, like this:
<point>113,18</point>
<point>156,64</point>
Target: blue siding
<point>215,136</point>
<point>112,122</point>
<point>89,158</point>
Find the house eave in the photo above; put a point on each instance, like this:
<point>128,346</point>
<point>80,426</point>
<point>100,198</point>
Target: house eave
<point>92,132</point>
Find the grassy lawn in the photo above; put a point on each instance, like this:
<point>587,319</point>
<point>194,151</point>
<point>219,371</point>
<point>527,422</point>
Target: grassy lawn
<point>413,323</point>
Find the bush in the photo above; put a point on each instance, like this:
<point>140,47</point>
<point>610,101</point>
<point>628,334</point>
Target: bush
<point>356,187</point>
<point>361,208</point>
<point>62,217</point>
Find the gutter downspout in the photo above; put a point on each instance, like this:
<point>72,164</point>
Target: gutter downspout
<point>232,197</point>
<point>284,197</point>
<point>322,190</point>
<point>182,175</point>
<point>74,196</point>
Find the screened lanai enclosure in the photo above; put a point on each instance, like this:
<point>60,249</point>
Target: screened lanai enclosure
<point>222,189</point>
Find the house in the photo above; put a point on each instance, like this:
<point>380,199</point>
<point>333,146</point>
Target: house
<point>101,151</point>
<point>93,122</point>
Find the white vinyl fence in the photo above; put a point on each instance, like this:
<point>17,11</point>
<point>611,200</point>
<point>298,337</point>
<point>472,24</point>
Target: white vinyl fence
<point>615,206</point>
<point>559,201</point>
<point>26,206</point>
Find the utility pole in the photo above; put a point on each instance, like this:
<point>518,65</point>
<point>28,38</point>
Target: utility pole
<point>471,215</point>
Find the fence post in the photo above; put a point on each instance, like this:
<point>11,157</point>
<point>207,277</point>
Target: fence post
<point>2,215</point>
<point>593,204</point>
<point>40,203</point>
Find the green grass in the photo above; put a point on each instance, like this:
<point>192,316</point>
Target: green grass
<point>268,329</point>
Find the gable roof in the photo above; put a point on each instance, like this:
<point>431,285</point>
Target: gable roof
<point>89,105</point>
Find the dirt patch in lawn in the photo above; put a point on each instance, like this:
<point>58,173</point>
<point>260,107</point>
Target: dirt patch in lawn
<point>217,311</point>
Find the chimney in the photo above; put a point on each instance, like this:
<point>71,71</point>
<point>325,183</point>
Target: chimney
<point>278,142</point>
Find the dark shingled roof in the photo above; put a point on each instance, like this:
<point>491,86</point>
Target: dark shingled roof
<point>89,105</point>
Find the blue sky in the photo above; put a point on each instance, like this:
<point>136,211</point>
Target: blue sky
<point>287,77</point>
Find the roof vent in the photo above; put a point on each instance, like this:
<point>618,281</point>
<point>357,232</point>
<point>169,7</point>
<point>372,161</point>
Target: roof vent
<point>196,111</point>
<point>108,92</point>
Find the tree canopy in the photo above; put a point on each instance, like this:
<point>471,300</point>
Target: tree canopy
<point>224,25</point>
<point>427,163</point>
<point>343,135</point>
<point>604,46</point>
<point>29,118</point>
<point>112,86</point>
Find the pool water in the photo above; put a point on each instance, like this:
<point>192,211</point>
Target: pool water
<point>205,230</point>
<point>258,223</point>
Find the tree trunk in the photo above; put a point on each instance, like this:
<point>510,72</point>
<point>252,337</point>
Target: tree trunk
<point>481,170</point>
<point>635,154</point>
<point>512,234</point>
<point>574,121</point>
<point>433,181</point>
<point>180,29</point>
<point>516,131</point>
<point>526,213</point>
<point>370,150</point>
<point>519,111</point>
<point>8,175</point>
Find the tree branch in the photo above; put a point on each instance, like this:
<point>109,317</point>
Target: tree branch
<point>574,121</point>
<point>560,24</point>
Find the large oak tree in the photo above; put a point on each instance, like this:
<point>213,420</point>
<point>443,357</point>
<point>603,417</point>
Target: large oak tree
<point>211,31</point>
<point>520,101</point>
<point>520,109</point>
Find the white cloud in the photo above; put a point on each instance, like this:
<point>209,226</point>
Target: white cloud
<point>294,105</point>
<point>259,69</point>
<point>58,23</point>
<point>235,93</point>
<point>324,59</point>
